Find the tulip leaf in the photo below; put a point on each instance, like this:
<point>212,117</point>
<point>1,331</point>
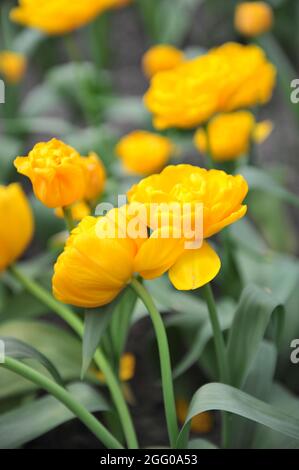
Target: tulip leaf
<point>201,444</point>
<point>96,324</point>
<point>20,350</point>
<point>33,419</point>
<point>217,396</point>
<point>262,180</point>
<point>254,311</point>
<point>60,346</point>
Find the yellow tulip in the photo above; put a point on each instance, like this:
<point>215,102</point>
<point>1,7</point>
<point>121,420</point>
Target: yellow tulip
<point>12,66</point>
<point>253,18</point>
<point>230,135</point>
<point>227,78</point>
<point>57,17</point>
<point>79,210</point>
<point>221,196</point>
<point>126,368</point>
<point>56,173</point>
<point>17,224</point>
<point>143,152</point>
<point>95,176</point>
<point>160,58</point>
<point>201,423</point>
<point>100,258</point>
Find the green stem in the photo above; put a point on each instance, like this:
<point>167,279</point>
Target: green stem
<point>165,363</point>
<point>99,32</point>
<point>77,325</point>
<point>66,398</point>
<point>69,221</point>
<point>220,353</point>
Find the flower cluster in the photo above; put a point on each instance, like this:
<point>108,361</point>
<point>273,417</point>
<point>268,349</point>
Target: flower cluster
<point>227,78</point>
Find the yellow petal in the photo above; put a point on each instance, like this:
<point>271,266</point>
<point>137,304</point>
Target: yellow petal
<point>157,254</point>
<point>195,268</point>
<point>262,131</point>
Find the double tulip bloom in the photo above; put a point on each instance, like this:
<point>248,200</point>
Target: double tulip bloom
<point>99,261</point>
<point>55,17</point>
<point>225,79</point>
<point>160,58</point>
<point>60,176</point>
<point>16,224</point>
<point>229,136</point>
<point>143,152</point>
<point>12,66</point>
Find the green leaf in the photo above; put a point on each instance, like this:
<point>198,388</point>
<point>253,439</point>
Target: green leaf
<point>262,180</point>
<point>203,336</point>
<point>58,345</point>
<point>20,350</point>
<point>201,444</point>
<point>27,422</point>
<point>255,309</point>
<point>9,149</point>
<point>216,396</point>
<point>27,41</point>
<point>95,325</point>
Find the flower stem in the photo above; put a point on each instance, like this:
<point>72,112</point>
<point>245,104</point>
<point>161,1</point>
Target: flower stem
<point>166,373</point>
<point>66,398</point>
<point>220,352</point>
<point>77,325</point>
<point>69,221</point>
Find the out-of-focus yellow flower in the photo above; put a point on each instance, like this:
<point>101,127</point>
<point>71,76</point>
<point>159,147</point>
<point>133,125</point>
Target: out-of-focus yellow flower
<point>262,131</point>
<point>12,66</point>
<point>79,210</point>
<point>230,135</point>
<point>143,152</point>
<point>221,196</point>
<point>16,224</point>
<point>95,176</point>
<point>126,368</point>
<point>100,258</point>
<point>253,18</point>
<point>201,423</point>
<point>57,17</point>
<point>56,173</point>
<point>227,78</point>
<point>160,58</point>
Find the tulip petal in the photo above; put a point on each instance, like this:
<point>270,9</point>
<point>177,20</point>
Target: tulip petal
<point>195,268</point>
<point>157,254</point>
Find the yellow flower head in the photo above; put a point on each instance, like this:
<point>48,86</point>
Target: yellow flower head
<point>57,17</point>
<point>17,224</point>
<point>12,66</point>
<point>227,78</point>
<point>101,256</point>
<point>56,173</point>
<point>221,198</point>
<point>79,210</point>
<point>143,152</point>
<point>160,58</point>
<point>126,368</point>
<point>201,423</point>
<point>253,18</point>
<point>95,176</point>
<point>230,135</point>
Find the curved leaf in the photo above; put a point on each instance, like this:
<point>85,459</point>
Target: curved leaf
<point>216,396</point>
<point>252,317</point>
<point>27,422</point>
<point>20,350</point>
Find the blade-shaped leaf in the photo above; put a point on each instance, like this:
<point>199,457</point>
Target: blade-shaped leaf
<point>27,422</point>
<point>20,350</point>
<point>260,179</point>
<point>201,444</point>
<point>252,317</point>
<point>216,396</point>
<point>95,324</point>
